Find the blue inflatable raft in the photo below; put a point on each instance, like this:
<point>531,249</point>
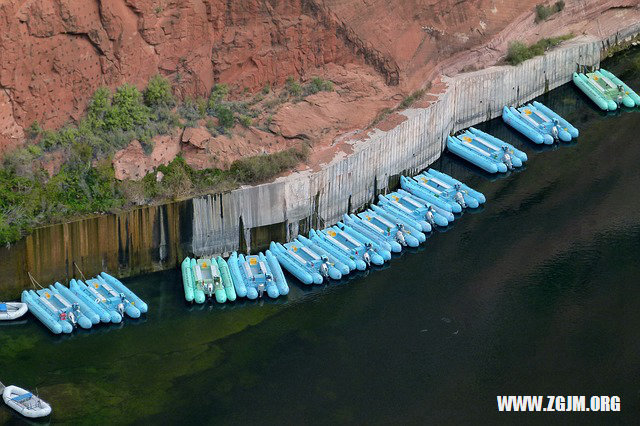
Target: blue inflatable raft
<point>59,305</point>
<point>48,315</point>
<point>346,246</point>
<point>420,189</point>
<point>95,302</point>
<point>342,267</point>
<point>550,114</point>
<point>411,226</point>
<point>297,265</point>
<point>446,214</point>
<point>252,275</point>
<point>445,179</point>
<point>457,197</point>
<point>408,205</point>
<point>539,124</point>
<point>376,252</point>
<point>606,90</point>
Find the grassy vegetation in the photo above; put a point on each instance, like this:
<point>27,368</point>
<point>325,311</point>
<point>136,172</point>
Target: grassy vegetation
<point>519,52</point>
<point>543,12</point>
<point>86,184</point>
<point>409,100</point>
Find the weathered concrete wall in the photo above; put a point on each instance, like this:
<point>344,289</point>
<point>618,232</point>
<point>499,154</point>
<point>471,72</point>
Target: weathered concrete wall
<point>157,237</point>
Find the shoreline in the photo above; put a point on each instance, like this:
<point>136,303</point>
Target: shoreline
<point>156,237</point>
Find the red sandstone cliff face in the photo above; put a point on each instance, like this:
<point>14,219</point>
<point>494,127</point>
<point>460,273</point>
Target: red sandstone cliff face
<point>55,53</point>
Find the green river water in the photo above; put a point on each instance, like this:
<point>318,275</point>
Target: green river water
<point>537,293</point>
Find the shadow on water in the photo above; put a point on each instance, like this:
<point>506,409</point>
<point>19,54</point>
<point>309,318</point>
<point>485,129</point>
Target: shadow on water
<point>535,293</point>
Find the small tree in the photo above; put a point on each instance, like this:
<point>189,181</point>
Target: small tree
<point>225,116</point>
<point>127,109</point>
<point>99,105</point>
<point>158,92</point>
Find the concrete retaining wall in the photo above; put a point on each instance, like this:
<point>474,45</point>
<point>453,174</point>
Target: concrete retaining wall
<point>321,198</point>
<point>157,237</point>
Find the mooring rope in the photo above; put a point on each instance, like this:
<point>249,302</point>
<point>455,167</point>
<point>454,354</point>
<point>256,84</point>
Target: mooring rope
<point>81,274</point>
<point>34,282</point>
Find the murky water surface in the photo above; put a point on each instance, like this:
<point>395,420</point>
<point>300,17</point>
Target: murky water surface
<point>536,293</point>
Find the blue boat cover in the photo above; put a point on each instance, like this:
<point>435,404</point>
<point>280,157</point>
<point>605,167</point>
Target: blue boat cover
<point>22,397</point>
<point>3,307</point>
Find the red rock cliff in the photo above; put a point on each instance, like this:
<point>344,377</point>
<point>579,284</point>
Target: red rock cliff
<point>55,53</point>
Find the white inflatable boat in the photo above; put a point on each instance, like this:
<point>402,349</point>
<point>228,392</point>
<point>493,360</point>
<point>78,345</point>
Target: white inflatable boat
<point>25,403</point>
<point>12,310</point>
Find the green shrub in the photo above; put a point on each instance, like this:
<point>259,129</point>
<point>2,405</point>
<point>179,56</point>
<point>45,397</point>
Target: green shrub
<point>177,181</point>
<point>225,116</point>
<point>316,85</point>
<point>34,130</point>
<point>544,12</point>
<point>188,110</point>
<point>262,167</point>
<point>158,93</point>
<point>99,105</point>
<point>201,106</point>
<point>218,93</point>
<point>8,232</point>
<point>519,52</point>
<point>211,127</point>
<point>244,120</point>
<point>409,100</point>
<point>127,109</point>
<point>266,89</point>
<point>293,87</point>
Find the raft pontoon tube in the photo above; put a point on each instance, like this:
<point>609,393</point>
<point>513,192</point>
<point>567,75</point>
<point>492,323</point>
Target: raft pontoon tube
<point>606,90</point>
<point>227,281</point>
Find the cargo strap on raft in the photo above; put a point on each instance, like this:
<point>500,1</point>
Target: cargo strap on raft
<point>34,282</point>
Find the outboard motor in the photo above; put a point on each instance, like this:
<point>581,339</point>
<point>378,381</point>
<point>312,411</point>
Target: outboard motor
<point>459,197</point>
<point>620,95</point>
<point>261,287</point>
<point>429,216</point>
<point>555,131</point>
<point>120,309</point>
<point>400,235</point>
<point>72,319</point>
<point>210,289</point>
<point>506,158</point>
<point>324,270</point>
<point>366,258</point>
